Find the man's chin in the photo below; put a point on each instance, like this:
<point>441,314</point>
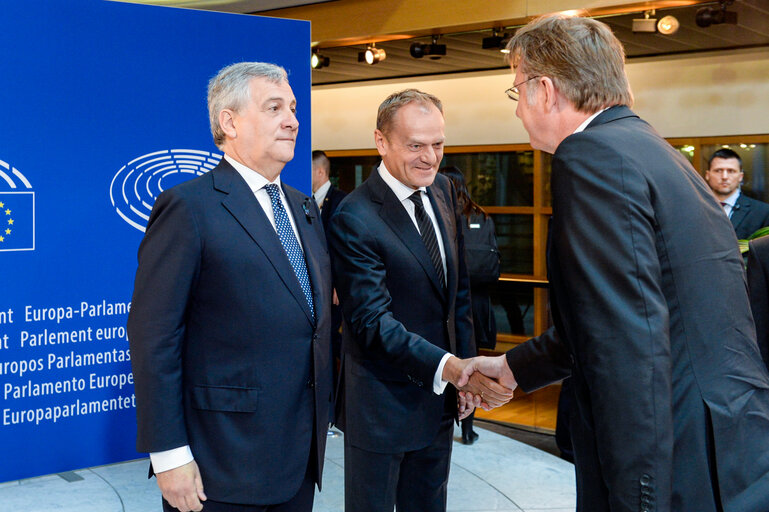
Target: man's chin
<point>423,179</point>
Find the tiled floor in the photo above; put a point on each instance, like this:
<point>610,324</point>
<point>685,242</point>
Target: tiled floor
<point>495,474</point>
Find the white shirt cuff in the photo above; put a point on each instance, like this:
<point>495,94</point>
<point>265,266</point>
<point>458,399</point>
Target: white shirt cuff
<point>170,459</point>
<point>439,385</point>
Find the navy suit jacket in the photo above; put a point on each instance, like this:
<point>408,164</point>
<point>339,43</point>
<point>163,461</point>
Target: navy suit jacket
<point>748,216</point>
<point>652,320</point>
<point>399,320</point>
<point>225,353</point>
<point>333,197</point>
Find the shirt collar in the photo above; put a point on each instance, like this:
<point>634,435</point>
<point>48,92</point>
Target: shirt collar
<point>320,194</point>
<point>732,199</point>
<point>402,192</point>
<point>254,180</point>
<point>587,121</point>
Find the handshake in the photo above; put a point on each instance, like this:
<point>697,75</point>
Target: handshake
<point>485,382</point>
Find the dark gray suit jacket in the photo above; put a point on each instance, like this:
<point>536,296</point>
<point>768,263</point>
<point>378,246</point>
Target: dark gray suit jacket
<point>399,321</point>
<point>651,309</point>
<point>748,216</point>
<point>225,354</point>
<point>758,282</point>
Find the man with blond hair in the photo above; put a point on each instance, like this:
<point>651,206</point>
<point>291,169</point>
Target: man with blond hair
<point>671,401</point>
<point>399,269</point>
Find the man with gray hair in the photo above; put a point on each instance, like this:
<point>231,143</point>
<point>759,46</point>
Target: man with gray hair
<point>229,324</point>
<point>671,400</point>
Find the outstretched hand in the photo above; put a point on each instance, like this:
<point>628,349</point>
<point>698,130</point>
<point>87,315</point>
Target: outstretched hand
<point>477,389</point>
<point>484,377</point>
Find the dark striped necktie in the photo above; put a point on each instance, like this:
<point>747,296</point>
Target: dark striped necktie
<point>428,235</point>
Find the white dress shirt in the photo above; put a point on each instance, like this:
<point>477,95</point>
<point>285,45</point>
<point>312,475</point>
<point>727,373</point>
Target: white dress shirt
<point>587,121</point>
<point>320,194</point>
<point>730,201</point>
<point>403,192</point>
<point>170,459</point>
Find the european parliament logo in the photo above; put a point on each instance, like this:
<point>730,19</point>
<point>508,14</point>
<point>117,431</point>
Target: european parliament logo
<point>137,184</point>
<point>17,210</point>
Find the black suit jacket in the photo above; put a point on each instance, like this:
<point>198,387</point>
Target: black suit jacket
<point>333,197</point>
<point>652,319</point>
<point>399,319</point>
<point>748,216</point>
<point>758,282</point>
<point>225,354</point>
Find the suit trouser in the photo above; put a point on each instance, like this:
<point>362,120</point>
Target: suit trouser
<point>412,481</point>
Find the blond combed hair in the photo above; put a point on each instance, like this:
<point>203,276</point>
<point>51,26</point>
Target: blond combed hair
<point>582,57</point>
<point>396,100</point>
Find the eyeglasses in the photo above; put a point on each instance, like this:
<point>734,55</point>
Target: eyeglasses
<point>513,93</point>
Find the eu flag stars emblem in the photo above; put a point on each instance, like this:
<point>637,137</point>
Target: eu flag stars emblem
<point>17,211</point>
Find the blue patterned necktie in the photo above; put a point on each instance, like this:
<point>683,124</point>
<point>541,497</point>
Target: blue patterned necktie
<point>290,243</point>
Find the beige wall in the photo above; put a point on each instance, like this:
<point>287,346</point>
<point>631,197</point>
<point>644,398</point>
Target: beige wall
<point>725,93</point>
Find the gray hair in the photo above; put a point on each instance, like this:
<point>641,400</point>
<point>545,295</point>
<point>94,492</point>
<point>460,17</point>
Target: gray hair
<point>229,89</point>
<point>396,100</point>
<point>582,57</point>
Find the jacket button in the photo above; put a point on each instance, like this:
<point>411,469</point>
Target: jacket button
<point>310,383</point>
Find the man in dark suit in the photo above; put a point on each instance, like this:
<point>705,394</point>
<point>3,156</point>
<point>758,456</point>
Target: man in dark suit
<point>328,198</point>
<point>326,195</point>
<point>724,176</point>
<point>399,269</point>
<point>758,283</point>
<point>229,324</point>
<point>647,292</point>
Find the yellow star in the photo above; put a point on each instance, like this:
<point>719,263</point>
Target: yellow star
<point>7,231</point>
<point>2,204</point>
<point>10,221</point>
<point>7,212</point>
<point>2,239</point>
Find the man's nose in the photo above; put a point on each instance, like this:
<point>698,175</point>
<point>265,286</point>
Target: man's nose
<point>429,155</point>
<point>291,121</point>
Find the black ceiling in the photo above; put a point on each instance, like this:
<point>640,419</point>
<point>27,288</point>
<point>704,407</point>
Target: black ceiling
<point>464,52</point>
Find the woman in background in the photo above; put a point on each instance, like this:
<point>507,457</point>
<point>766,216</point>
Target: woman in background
<point>482,257</point>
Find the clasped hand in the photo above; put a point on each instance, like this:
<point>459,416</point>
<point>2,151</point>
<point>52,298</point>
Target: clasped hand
<point>485,382</point>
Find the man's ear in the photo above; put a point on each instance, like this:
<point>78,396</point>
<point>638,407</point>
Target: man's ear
<point>379,140</point>
<point>551,96</point>
<point>227,123</point>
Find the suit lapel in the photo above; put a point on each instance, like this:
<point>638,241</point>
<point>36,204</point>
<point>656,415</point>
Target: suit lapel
<point>394,215</point>
<point>325,209</point>
<point>243,206</point>
<point>739,212</point>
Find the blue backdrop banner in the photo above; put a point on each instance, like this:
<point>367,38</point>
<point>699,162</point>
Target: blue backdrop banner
<point>105,107</point>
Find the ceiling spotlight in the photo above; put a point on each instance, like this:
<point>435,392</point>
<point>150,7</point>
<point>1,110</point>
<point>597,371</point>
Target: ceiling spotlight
<point>318,61</point>
<point>668,25</point>
<point>434,50</point>
<point>707,16</point>
<point>372,55</point>
<point>496,42</point>
<point>647,24</point>
<point>493,41</point>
